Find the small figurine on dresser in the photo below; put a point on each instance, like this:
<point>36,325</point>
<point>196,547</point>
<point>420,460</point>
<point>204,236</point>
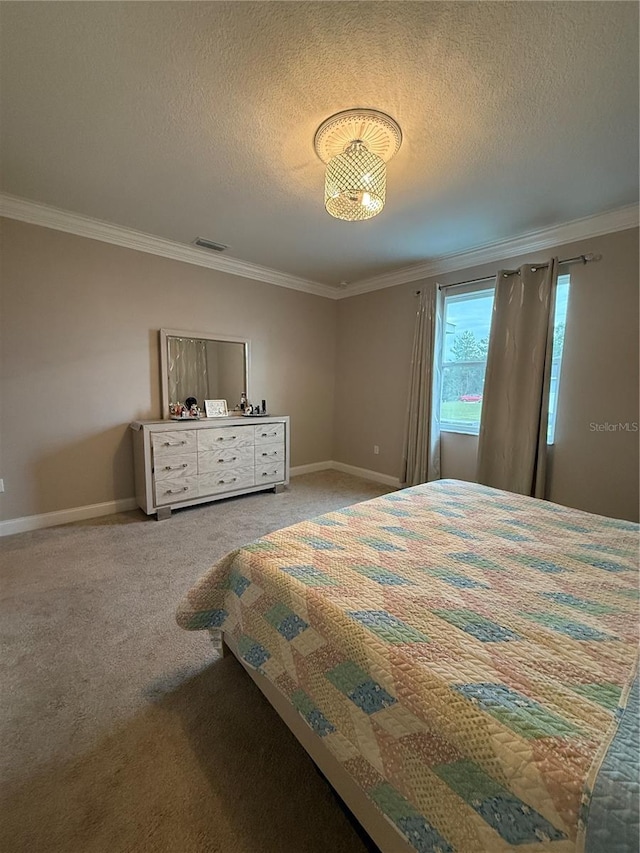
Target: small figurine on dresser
<point>185,411</point>
<point>256,411</point>
<point>247,409</point>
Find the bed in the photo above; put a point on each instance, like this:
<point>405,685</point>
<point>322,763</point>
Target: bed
<point>459,661</point>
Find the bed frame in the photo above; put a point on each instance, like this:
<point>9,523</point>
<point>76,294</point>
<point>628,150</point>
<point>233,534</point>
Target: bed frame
<point>380,830</point>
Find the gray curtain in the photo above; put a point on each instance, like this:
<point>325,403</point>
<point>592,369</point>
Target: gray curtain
<point>512,448</point>
<point>187,370</point>
<point>421,457</point>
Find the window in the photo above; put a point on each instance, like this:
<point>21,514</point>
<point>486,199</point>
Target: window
<point>465,341</point>
<point>560,322</point>
<point>467,325</point>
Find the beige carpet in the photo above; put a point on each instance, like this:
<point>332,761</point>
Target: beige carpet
<point>121,732</point>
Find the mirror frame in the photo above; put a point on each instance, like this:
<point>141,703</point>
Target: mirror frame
<point>165,334</point>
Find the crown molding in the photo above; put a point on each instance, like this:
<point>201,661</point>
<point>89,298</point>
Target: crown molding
<point>545,238</point>
<point>36,213</point>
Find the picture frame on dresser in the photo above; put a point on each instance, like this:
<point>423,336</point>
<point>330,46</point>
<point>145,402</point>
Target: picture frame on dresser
<point>216,408</point>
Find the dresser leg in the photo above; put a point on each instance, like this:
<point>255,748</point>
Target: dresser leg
<point>163,513</point>
<point>278,488</point>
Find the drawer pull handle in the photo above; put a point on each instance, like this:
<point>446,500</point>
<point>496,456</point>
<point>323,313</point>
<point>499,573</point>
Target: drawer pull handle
<point>267,473</point>
<point>175,467</point>
<point>272,453</point>
<point>177,491</point>
<point>224,438</point>
<point>174,443</point>
<point>222,482</point>
<point>266,434</point>
<point>233,459</point>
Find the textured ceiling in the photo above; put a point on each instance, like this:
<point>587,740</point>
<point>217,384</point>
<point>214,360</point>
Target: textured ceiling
<point>197,119</point>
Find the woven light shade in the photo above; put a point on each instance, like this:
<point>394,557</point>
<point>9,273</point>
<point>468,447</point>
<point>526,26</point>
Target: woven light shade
<point>355,183</point>
<point>356,145</point>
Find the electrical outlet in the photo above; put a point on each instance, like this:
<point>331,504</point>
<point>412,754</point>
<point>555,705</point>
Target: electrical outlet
<point>376,449</point>
<point>1,485</point>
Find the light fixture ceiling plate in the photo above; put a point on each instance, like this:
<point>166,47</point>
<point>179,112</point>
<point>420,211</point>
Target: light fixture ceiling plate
<point>379,132</point>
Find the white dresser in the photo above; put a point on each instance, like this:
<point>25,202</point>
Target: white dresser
<point>181,463</point>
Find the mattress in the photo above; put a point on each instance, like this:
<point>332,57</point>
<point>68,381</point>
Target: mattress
<point>468,655</point>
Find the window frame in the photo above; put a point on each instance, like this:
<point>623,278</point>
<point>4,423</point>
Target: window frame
<point>468,427</point>
<point>552,421</point>
<point>486,285</point>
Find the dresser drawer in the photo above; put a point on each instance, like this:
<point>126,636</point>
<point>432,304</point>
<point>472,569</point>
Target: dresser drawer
<point>172,442</point>
<point>265,454</point>
<point>225,481</point>
<point>175,466</point>
<point>211,461</point>
<point>174,491</point>
<point>269,433</point>
<point>218,437</point>
<point>269,473</point>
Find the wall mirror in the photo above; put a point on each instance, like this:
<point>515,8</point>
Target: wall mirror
<point>202,365</point>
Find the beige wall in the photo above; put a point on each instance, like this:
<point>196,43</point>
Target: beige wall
<point>79,338</point>
<point>596,471</point>
<point>79,322</point>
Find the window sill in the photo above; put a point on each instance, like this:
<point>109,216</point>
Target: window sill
<point>451,430</point>
<point>459,430</point>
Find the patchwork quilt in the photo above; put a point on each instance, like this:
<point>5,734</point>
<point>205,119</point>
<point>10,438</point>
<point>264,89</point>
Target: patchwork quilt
<point>467,654</point>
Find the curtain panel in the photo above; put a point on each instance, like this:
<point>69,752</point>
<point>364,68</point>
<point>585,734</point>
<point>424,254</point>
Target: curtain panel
<point>512,447</point>
<point>421,454</point>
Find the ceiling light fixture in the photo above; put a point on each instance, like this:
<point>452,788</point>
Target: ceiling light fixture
<point>356,145</point>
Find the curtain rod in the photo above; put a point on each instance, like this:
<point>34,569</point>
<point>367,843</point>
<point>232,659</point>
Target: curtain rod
<point>579,259</point>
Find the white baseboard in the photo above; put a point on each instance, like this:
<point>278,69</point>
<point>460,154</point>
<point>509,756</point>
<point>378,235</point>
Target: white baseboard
<point>64,516</point>
<point>330,465</point>
<point>81,513</point>
<point>311,468</point>
<point>386,479</point>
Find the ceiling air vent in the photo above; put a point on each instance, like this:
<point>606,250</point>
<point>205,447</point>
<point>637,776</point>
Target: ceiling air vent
<point>209,244</point>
